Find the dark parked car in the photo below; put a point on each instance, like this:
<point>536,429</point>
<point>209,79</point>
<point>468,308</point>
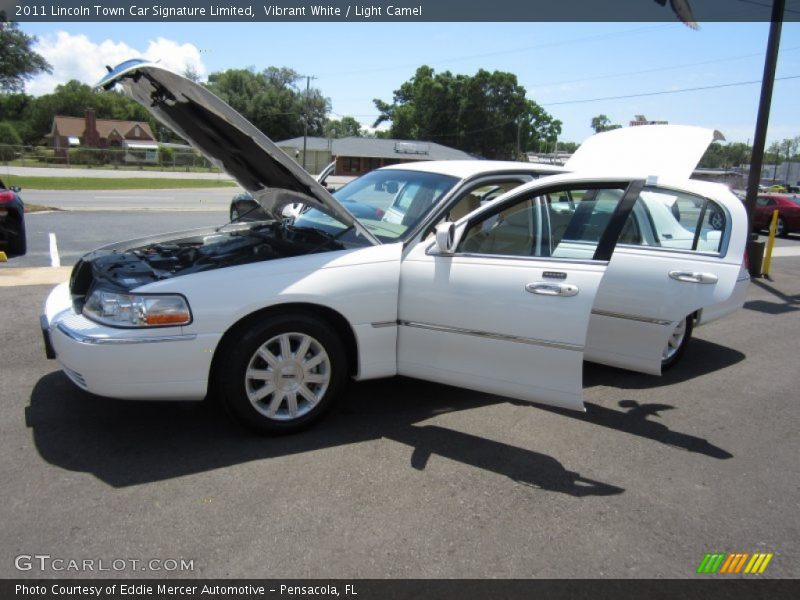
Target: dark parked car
<point>245,208</point>
<point>788,208</point>
<point>12,221</point>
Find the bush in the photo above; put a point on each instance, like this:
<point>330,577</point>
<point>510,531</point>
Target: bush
<point>9,140</point>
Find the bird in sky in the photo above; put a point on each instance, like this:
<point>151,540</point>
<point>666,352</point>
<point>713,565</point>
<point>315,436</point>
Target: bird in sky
<point>683,11</point>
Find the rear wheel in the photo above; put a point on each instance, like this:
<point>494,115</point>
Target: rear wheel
<point>17,242</point>
<point>283,374</point>
<point>677,342</point>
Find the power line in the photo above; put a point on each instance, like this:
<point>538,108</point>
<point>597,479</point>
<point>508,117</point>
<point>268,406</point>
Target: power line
<point>665,92</point>
<point>657,69</point>
<point>600,36</point>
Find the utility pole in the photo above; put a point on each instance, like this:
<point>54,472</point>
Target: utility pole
<point>305,117</point>
<point>767,82</point>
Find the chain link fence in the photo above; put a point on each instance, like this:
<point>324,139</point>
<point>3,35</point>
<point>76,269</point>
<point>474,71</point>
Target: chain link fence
<point>157,157</point>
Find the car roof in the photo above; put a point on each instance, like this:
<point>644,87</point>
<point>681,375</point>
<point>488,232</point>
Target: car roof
<point>716,191</point>
<point>470,168</point>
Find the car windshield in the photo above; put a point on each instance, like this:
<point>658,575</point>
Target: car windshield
<point>387,202</point>
<point>794,199</point>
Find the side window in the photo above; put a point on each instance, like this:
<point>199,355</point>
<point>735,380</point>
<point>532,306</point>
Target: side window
<point>664,218</point>
<point>476,197</point>
<point>761,201</point>
<point>472,199</point>
<point>561,223</point>
<point>514,231</point>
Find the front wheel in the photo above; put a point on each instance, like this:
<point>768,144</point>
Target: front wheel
<point>283,374</point>
<point>676,344</point>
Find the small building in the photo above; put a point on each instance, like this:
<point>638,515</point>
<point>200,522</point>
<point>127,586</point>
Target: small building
<point>358,155</point>
<point>135,137</point>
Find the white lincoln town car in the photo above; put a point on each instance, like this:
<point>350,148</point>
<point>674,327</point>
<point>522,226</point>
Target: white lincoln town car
<point>494,276</point>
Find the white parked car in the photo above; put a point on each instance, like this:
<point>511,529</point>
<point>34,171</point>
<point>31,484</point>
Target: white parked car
<point>613,263</point>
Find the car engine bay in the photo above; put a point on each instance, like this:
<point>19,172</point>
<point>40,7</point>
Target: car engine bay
<point>123,269</point>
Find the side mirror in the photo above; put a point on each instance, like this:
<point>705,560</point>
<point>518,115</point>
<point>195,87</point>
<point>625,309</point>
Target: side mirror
<point>15,188</point>
<point>446,238</point>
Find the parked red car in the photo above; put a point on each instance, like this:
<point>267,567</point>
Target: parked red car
<point>788,207</point>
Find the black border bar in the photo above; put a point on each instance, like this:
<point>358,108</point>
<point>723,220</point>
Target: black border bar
<point>709,588</point>
<point>278,11</point>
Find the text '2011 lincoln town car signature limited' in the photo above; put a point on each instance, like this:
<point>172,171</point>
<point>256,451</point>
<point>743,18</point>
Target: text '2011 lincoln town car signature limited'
<point>500,277</point>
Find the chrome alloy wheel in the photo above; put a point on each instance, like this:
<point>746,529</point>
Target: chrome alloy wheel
<point>675,341</point>
<point>287,376</point>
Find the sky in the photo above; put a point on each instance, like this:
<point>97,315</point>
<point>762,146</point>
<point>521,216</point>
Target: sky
<point>574,70</point>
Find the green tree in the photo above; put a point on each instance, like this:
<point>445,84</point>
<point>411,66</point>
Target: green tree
<point>9,138</point>
<point>602,123</point>
<point>272,100</point>
<point>718,156</point>
<point>71,99</point>
<point>345,127</point>
<point>18,61</point>
<point>486,114</point>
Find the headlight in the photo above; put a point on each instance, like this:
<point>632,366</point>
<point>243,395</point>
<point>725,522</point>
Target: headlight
<point>132,310</point>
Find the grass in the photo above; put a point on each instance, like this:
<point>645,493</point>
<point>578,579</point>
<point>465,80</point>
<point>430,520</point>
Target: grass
<point>33,208</point>
<point>97,183</point>
<point>30,162</point>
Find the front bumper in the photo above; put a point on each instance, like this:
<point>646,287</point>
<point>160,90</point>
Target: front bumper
<point>136,364</point>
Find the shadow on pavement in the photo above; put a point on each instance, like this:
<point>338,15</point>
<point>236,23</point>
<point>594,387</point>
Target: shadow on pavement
<point>130,443</point>
<point>787,303</point>
<point>635,421</point>
<point>701,358</point>
<point>523,466</point>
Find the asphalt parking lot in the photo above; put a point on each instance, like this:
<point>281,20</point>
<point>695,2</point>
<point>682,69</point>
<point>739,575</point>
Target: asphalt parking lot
<point>410,479</point>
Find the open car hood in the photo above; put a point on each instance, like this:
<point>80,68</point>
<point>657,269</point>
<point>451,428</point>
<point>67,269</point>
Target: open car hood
<point>661,150</point>
<point>227,139</point>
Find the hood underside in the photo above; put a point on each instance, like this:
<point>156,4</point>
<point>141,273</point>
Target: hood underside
<point>227,139</point>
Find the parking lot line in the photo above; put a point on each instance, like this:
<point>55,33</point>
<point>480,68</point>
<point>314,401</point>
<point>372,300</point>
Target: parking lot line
<point>55,259</point>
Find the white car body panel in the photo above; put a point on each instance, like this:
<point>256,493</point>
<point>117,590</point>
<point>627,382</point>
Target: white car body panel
<point>664,150</point>
<point>361,285</point>
<point>469,321</point>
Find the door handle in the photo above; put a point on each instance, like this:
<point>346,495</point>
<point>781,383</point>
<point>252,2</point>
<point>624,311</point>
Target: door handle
<point>552,289</point>
<point>693,277</point>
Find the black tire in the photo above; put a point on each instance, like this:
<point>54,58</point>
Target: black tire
<point>244,353</point>
<point>717,220</point>
<point>674,356</point>
<point>17,242</point>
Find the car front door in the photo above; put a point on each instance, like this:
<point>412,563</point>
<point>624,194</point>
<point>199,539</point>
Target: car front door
<point>505,308</point>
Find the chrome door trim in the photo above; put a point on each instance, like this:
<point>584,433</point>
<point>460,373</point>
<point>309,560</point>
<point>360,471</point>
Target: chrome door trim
<point>614,315</point>
<point>494,336</point>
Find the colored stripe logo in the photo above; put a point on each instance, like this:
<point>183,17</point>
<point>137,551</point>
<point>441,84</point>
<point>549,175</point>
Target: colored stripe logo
<point>734,563</point>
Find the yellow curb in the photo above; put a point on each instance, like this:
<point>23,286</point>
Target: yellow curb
<point>10,277</point>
